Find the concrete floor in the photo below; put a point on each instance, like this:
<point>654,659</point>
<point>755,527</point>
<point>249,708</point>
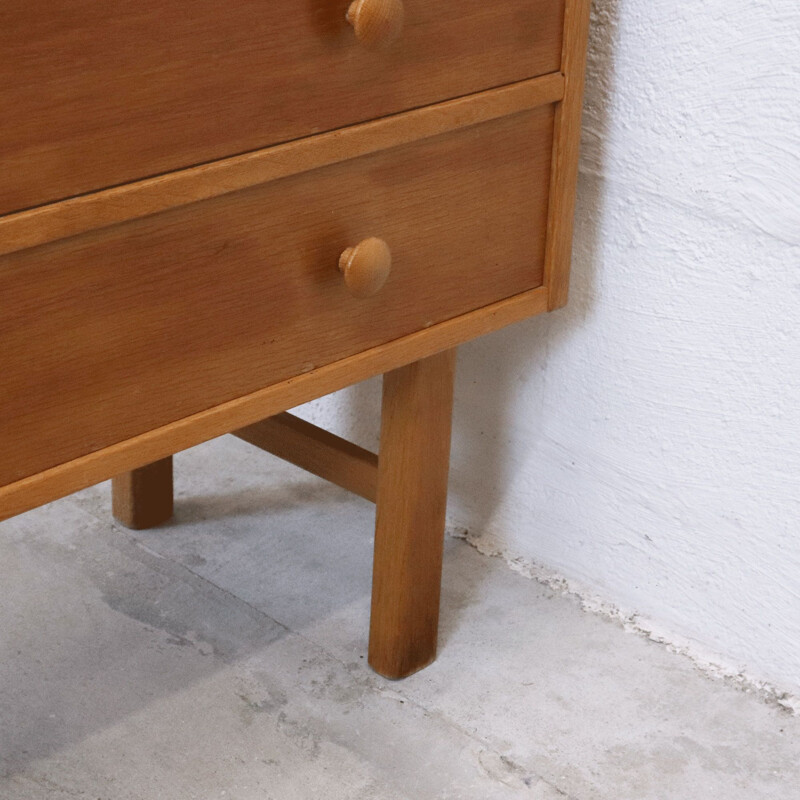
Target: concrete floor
<point>224,657</point>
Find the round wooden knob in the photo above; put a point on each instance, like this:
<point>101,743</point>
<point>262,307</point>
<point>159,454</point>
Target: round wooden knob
<point>377,23</point>
<point>366,266</point>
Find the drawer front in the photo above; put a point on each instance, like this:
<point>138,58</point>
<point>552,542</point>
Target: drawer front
<point>97,94</point>
<point>115,332</point>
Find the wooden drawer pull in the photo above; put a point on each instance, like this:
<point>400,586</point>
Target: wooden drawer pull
<point>366,266</point>
<point>377,23</point>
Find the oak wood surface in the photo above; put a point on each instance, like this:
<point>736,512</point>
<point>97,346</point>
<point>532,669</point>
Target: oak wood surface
<point>95,95</point>
<point>161,442</point>
<point>317,451</point>
<point>142,498</point>
<point>154,195</point>
<point>566,150</point>
<point>126,329</point>
<point>409,528</point>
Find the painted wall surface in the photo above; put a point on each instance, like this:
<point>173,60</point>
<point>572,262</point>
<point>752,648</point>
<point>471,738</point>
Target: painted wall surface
<point>645,441</point>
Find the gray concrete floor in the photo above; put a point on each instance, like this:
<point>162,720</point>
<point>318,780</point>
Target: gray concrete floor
<point>224,657</point>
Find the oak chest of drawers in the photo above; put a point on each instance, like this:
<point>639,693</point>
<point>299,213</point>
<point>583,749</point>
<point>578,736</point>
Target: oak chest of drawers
<point>212,213</point>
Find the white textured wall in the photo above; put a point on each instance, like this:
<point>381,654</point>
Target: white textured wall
<point>645,441</point>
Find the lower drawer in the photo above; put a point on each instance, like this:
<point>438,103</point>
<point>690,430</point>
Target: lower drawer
<point>115,332</point>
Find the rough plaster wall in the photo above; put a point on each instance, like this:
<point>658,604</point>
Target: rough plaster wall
<point>645,441</point>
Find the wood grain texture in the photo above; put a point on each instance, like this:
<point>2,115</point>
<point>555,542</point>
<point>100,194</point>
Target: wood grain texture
<point>317,451</point>
<point>142,498</point>
<point>212,422</point>
<point>127,329</point>
<point>409,528</point>
<point>144,198</point>
<point>566,150</point>
<point>94,96</point>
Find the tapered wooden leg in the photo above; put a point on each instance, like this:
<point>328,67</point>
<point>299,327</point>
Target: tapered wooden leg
<point>142,498</point>
<point>413,465</point>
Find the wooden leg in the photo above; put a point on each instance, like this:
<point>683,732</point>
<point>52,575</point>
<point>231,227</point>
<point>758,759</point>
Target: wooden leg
<point>413,465</point>
<point>142,498</point>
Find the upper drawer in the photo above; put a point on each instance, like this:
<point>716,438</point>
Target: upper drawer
<point>98,93</point>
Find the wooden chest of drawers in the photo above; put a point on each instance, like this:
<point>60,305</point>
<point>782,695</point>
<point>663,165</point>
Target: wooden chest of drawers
<point>181,205</point>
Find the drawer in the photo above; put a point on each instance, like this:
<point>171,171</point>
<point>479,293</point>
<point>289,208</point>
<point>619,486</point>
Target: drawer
<point>105,93</point>
<point>118,331</point>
